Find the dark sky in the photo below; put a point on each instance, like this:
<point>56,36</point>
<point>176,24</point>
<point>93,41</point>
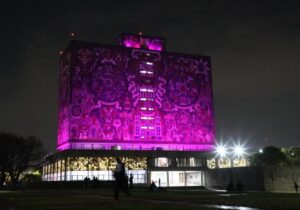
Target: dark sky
<point>254,45</point>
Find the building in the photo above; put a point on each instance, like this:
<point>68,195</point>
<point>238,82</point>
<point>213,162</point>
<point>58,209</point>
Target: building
<point>136,101</point>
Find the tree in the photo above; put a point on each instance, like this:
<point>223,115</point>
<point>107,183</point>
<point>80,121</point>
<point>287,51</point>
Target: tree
<point>256,159</point>
<point>17,154</point>
<point>293,155</point>
<point>270,156</point>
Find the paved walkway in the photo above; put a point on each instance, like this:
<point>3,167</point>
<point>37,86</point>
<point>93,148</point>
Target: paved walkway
<point>184,203</point>
<point>6,205</point>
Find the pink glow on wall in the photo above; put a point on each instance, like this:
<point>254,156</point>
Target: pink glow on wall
<point>140,146</point>
<point>132,43</point>
<point>106,99</point>
<point>144,42</point>
<point>154,46</point>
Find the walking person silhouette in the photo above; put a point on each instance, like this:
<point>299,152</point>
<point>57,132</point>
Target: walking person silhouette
<point>296,187</point>
<point>131,181</point>
<point>119,175</point>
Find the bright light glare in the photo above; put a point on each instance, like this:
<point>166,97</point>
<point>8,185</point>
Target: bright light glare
<point>239,150</point>
<point>221,150</point>
<point>260,150</point>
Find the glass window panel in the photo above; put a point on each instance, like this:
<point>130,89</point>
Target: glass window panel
<point>161,176</point>
<point>161,162</point>
<point>193,178</point>
<point>176,178</point>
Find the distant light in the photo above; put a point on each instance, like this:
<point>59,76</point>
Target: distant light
<point>221,150</point>
<point>146,118</point>
<point>146,90</point>
<point>238,150</point>
<point>149,63</point>
<point>61,52</point>
<point>140,33</point>
<point>260,150</point>
<point>72,34</point>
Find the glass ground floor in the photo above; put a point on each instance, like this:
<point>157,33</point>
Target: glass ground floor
<point>160,178</point>
<point>177,178</point>
<point>139,176</point>
<point>166,169</point>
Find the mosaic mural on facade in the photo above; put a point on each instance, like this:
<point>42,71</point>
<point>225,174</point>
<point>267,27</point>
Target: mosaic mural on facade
<point>117,94</point>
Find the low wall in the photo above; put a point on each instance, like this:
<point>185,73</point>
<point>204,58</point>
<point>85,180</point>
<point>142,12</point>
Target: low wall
<point>251,177</point>
<point>281,178</point>
<point>267,178</point>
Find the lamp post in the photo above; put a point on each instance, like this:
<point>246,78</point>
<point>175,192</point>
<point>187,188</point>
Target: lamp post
<point>221,151</point>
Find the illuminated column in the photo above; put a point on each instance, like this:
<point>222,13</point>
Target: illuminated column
<point>173,162</point>
<point>147,126</point>
<point>202,178</point>
<point>147,105</point>
<point>217,162</point>
<point>168,178</point>
<point>65,162</point>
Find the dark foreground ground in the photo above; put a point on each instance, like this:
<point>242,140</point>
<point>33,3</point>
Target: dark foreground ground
<point>143,199</point>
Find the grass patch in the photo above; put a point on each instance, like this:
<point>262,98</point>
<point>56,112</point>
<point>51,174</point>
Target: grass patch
<point>143,199</point>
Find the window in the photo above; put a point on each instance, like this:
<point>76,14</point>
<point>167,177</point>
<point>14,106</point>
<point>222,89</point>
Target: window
<point>159,178</point>
<point>189,162</point>
<point>147,118</point>
<point>147,90</point>
<point>176,178</point>
<point>193,178</point>
<point>146,72</point>
<point>161,162</point>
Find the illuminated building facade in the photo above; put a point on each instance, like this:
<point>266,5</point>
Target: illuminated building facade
<point>135,96</point>
<point>134,100</point>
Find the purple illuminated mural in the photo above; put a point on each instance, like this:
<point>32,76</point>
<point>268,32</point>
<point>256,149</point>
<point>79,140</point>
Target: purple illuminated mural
<point>134,98</point>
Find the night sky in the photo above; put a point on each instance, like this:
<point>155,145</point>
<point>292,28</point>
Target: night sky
<point>254,46</point>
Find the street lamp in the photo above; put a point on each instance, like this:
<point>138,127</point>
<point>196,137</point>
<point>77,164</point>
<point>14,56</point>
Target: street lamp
<point>239,150</point>
<point>221,150</point>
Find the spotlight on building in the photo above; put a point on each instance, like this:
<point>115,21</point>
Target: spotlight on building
<point>221,150</point>
<point>239,150</point>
